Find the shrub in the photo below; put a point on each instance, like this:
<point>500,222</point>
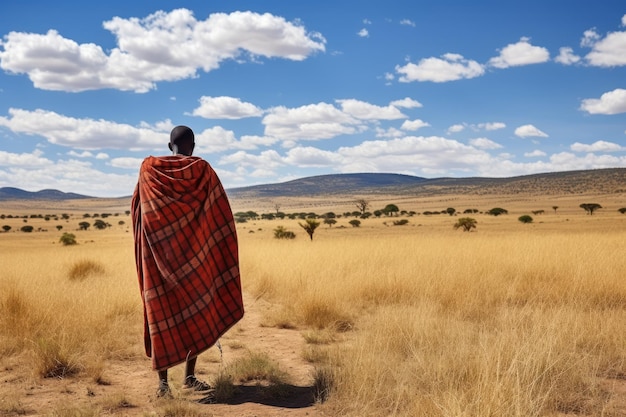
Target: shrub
<point>6,227</point>
<point>68,239</point>
<point>27,229</point>
<point>525,219</point>
<point>466,223</point>
<point>85,268</point>
<point>622,210</point>
<point>281,233</point>
<point>355,223</point>
<point>496,211</point>
<point>401,222</point>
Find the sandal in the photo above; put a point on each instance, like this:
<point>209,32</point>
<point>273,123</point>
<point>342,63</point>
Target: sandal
<point>193,383</point>
<point>164,390</point>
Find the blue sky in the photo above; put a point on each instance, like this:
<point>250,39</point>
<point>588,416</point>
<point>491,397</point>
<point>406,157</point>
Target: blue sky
<point>278,90</point>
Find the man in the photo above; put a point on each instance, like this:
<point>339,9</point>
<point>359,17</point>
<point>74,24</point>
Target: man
<point>187,259</point>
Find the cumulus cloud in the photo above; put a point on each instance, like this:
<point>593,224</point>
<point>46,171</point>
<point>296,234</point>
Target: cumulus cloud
<point>144,53</point>
<point>535,154</point>
<point>414,125</point>
<point>609,51</point>
<point>566,56</point>
<point>126,163</point>
<point>226,108</point>
<point>367,111</point>
<point>407,103</point>
<point>598,146</point>
<point>526,131</point>
<point>312,122</point>
<point>612,102</point>
<point>407,22</point>
<point>456,128</point>
<point>450,67</point>
<point>491,126</point>
<point>520,53</point>
<point>484,143</point>
<point>86,134</point>
<point>312,157</point>
<point>363,33</point>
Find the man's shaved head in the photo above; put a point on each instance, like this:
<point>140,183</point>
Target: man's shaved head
<point>182,140</point>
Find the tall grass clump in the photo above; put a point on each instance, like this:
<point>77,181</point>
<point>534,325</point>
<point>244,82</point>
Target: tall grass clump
<point>85,268</point>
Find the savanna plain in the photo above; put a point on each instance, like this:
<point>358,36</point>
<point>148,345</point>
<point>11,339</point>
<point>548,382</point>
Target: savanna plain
<point>387,318</point>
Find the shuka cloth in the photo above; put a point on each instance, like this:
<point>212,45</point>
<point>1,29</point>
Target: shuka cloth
<point>187,258</point>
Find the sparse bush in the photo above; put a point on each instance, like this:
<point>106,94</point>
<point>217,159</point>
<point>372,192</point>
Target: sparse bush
<point>309,226</point>
<point>622,210</point>
<point>85,268</point>
<point>68,239</point>
<point>26,229</point>
<point>59,227</point>
<point>83,225</point>
<point>400,222</point>
<point>496,211</point>
<point>355,223</point>
<point>281,233</point>
<point>466,223</point>
<point>330,221</point>
<point>525,219</point>
<point>6,227</point>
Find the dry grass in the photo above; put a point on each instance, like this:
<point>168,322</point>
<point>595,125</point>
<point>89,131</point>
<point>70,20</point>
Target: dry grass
<point>507,320</point>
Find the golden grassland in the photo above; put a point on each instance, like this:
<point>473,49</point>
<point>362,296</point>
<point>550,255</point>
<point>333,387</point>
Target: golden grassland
<point>511,319</point>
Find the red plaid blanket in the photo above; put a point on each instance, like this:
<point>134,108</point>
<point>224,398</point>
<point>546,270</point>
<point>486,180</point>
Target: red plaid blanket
<point>187,258</point>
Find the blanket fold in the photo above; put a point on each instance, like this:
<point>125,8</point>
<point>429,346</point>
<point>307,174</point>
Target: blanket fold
<point>187,258</point>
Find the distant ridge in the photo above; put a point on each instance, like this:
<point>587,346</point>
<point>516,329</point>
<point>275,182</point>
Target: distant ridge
<point>11,193</point>
<point>329,184</point>
<point>598,181</point>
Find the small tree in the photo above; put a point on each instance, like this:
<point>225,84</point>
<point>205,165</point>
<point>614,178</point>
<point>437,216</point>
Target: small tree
<point>465,223</point>
<point>100,224</point>
<point>309,226</point>
<point>496,211</point>
<point>6,227</point>
<point>391,209</point>
<point>362,205</point>
<point>330,222</point>
<point>590,207</point>
<point>59,227</point>
<point>622,210</point>
<point>83,225</point>
<point>355,223</point>
<point>525,219</point>
<point>27,229</point>
<point>451,211</point>
<point>555,208</point>
<point>68,239</point>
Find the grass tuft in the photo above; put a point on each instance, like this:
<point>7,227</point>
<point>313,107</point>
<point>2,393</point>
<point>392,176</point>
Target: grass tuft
<point>84,269</point>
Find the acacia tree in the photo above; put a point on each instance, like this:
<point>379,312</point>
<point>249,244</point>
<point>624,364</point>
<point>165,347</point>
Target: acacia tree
<point>466,223</point>
<point>496,211</point>
<point>590,207</point>
<point>309,226</point>
<point>555,208</point>
<point>362,205</point>
<point>390,209</point>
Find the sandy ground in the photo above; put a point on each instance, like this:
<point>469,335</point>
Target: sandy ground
<point>129,386</point>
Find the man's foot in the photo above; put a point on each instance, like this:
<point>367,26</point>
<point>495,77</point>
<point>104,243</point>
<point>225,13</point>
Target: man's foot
<point>164,390</point>
<point>193,383</point>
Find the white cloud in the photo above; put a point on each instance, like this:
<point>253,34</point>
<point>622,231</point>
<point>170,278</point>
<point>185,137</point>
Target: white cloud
<point>491,126</point>
<point>520,53</point>
<point>407,103</point>
<point>456,128</point>
<point>86,133</point>
<point>126,163</point>
<point>83,154</point>
<point>450,67</point>
<point>566,56</point>
<point>535,154</point>
<point>605,52</point>
<point>367,22</point>
<point>145,56</point>
<point>226,108</point>
<point>598,146</point>
<point>312,122</point>
<point>363,33</point>
<point>413,125</point>
<point>612,102</point>
<point>366,111</point>
<point>407,22</point>
<point>312,157</point>
<point>529,131</point>
<point>391,132</point>
<point>484,143</point>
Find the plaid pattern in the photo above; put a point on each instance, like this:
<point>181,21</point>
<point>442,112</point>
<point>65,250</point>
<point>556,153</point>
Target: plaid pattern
<point>187,258</point>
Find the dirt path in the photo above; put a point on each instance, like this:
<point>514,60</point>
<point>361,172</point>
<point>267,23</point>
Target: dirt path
<point>129,385</point>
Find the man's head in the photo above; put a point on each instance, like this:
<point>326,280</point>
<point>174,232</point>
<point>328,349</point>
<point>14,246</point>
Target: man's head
<point>182,141</point>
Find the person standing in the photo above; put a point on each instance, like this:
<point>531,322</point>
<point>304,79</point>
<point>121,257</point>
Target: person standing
<point>186,253</point>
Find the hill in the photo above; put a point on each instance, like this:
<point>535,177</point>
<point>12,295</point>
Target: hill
<point>10,193</point>
<point>601,181</point>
